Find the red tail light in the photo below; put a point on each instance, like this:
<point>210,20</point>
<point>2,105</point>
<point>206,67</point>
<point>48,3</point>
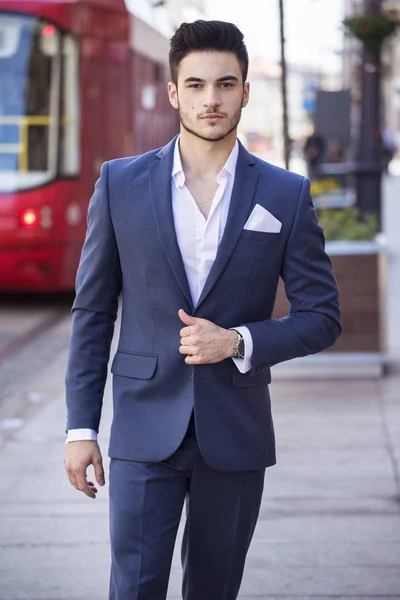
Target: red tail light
<point>29,217</point>
<point>48,30</point>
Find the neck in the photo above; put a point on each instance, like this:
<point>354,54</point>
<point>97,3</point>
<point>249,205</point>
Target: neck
<point>204,159</point>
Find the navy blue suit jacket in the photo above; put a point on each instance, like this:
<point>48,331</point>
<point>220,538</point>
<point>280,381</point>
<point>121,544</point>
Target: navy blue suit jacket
<point>131,249</point>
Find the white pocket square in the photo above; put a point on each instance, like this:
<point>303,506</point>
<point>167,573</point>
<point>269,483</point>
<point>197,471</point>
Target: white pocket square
<point>262,220</point>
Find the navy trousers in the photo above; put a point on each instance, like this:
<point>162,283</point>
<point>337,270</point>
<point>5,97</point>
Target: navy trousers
<point>146,502</point>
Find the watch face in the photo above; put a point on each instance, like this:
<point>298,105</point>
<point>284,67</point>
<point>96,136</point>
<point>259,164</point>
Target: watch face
<point>241,347</point>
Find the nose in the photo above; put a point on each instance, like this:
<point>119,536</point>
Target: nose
<point>212,98</point>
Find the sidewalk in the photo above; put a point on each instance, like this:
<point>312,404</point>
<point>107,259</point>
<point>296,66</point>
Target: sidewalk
<point>329,525</point>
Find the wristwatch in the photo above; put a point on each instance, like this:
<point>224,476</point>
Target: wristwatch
<point>239,346</point>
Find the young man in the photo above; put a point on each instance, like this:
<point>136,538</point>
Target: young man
<point>194,236</point>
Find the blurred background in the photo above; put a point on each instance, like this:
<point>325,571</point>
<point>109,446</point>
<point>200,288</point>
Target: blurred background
<point>84,81</point>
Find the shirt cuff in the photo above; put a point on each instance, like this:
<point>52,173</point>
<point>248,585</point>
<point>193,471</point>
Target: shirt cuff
<point>244,364</point>
<point>79,435</point>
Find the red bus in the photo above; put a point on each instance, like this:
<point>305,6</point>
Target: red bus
<point>81,82</point>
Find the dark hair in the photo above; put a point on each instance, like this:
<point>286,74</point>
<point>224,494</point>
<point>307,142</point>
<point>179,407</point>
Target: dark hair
<point>202,36</point>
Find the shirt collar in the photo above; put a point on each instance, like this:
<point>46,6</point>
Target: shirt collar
<point>177,170</point>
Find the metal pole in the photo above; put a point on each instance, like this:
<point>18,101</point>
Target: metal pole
<point>286,137</point>
<point>369,166</point>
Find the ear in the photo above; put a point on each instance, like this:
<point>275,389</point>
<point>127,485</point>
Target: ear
<point>173,94</point>
<point>246,94</point>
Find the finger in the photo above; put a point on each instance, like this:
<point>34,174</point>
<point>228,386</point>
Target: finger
<point>185,318</point>
<point>186,331</point>
<point>99,471</point>
<point>70,475</point>
<point>92,487</point>
<point>191,340</point>
<point>72,480</point>
<point>83,485</point>
<point>193,360</point>
<point>188,350</point>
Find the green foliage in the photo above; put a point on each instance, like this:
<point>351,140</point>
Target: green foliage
<point>348,224</point>
<point>371,30</point>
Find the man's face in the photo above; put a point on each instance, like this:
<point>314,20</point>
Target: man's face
<point>210,94</point>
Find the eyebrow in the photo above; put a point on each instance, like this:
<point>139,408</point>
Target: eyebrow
<point>221,79</point>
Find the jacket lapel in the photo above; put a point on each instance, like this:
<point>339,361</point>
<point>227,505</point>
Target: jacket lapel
<point>241,202</point>
<point>161,198</point>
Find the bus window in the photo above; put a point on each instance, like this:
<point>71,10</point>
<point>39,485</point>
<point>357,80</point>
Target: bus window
<point>70,119</point>
<point>30,66</point>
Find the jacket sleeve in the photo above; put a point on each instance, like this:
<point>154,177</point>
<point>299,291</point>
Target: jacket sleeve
<point>313,322</point>
<point>98,285</point>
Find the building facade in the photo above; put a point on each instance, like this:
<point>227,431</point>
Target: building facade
<point>180,11</point>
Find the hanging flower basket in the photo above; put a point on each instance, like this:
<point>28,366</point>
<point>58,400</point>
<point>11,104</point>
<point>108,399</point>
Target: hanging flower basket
<point>371,30</point>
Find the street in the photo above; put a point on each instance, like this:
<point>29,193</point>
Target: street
<point>329,525</point>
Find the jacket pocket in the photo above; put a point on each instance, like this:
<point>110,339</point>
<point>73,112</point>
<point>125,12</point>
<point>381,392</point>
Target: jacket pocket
<point>260,236</point>
<point>245,380</point>
<point>136,366</point>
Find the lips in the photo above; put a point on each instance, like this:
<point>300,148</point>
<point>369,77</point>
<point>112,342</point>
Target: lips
<point>213,116</point>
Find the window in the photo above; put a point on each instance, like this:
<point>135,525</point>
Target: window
<point>70,120</point>
<point>39,102</point>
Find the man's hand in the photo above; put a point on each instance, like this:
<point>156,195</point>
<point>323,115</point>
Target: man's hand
<point>204,342</point>
<point>78,456</point>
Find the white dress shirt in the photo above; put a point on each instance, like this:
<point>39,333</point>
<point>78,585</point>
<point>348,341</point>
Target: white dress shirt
<point>198,239</point>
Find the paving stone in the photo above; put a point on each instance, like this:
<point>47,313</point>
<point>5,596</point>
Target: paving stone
<point>329,524</point>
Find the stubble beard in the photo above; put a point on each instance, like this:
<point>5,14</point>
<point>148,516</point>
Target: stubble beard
<point>236,121</point>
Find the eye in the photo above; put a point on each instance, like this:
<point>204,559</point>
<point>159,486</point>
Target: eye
<point>226,84</point>
<point>195,86</point>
